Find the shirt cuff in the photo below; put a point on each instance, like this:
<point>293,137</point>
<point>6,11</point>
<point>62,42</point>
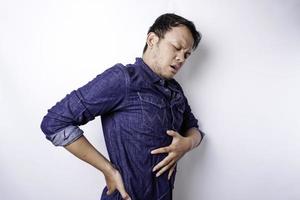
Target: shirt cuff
<point>202,136</point>
<point>65,136</point>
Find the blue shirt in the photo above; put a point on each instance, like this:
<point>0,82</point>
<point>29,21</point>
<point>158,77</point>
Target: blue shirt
<point>137,107</point>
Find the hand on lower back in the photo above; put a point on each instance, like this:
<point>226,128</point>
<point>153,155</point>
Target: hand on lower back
<point>114,182</point>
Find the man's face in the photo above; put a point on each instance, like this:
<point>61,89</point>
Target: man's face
<point>170,52</point>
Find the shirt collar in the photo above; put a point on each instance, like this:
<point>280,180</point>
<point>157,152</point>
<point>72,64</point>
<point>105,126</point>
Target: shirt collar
<point>150,74</point>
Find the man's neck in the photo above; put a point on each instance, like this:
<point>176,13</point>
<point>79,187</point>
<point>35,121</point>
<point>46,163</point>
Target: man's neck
<point>148,60</point>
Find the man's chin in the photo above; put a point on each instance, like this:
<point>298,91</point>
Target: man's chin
<point>169,77</point>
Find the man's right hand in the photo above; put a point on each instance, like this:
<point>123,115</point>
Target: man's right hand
<point>114,182</point>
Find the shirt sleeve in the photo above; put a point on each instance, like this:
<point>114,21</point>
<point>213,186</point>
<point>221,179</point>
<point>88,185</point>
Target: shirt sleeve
<point>104,94</point>
<point>189,120</point>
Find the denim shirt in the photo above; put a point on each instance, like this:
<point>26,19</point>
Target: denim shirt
<point>137,107</point>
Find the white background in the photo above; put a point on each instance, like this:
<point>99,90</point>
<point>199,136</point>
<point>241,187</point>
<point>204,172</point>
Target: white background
<point>243,84</point>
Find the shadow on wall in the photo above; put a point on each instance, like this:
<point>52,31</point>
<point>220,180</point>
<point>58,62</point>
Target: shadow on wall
<point>190,172</point>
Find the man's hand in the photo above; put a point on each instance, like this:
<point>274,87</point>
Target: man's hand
<point>84,150</point>
<point>114,182</point>
<point>179,146</point>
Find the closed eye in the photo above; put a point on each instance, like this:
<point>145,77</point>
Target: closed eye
<point>187,55</point>
<point>177,48</point>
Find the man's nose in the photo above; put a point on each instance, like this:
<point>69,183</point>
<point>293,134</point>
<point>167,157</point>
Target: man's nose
<point>180,57</point>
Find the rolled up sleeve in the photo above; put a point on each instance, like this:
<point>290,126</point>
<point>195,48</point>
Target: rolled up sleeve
<point>104,94</point>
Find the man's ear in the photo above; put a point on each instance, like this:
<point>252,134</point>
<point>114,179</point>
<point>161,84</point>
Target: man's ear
<point>152,39</point>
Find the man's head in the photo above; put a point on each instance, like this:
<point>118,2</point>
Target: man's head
<point>170,41</point>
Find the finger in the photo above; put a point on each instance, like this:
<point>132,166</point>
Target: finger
<point>172,133</point>
<point>171,171</point>
<point>125,196</point>
<point>162,163</point>
<point>160,150</point>
<point>110,191</point>
<point>165,168</point>
<point>123,192</point>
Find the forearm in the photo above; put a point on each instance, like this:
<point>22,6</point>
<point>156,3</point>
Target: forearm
<point>85,151</point>
<point>194,137</point>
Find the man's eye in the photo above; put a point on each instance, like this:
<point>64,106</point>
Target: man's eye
<point>177,48</point>
<point>187,55</point>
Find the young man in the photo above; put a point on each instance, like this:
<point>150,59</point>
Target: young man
<point>147,121</point>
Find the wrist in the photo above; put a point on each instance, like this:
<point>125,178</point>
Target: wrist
<point>108,169</point>
<point>194,138</point>
<point>190,143</point>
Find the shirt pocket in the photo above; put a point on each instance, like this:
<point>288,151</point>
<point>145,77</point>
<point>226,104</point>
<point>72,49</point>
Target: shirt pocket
<point>154,112</point>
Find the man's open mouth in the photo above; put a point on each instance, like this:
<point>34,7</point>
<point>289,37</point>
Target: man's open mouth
<point>173,67</point>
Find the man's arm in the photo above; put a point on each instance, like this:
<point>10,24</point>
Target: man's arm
<point>103,94</point>
<point>85,151</point>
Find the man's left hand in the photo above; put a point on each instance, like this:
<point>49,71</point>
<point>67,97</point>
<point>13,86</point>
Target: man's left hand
<point>179,146</point>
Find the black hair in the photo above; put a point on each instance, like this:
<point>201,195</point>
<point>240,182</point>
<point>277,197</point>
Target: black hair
<point>165,23</point>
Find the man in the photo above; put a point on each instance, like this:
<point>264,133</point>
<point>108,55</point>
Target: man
<point>147,122</point>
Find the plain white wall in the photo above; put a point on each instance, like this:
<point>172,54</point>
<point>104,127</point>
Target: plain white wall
<point>243,84</point>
